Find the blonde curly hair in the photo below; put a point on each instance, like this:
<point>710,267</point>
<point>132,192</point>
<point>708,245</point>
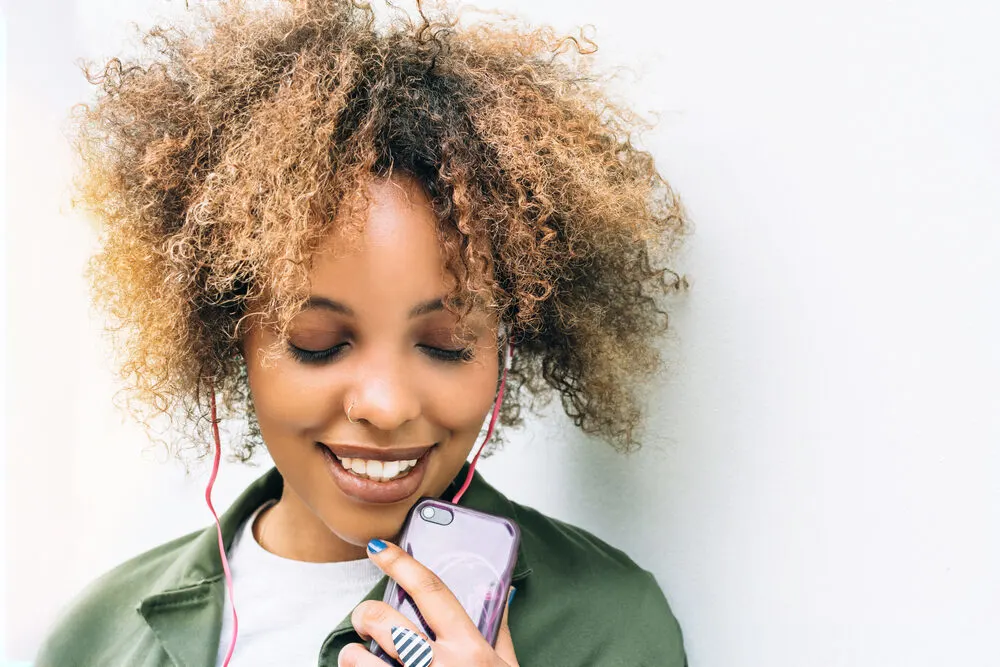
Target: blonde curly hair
<point>217,162</point>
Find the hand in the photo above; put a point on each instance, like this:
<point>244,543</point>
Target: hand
<point>459,642</point>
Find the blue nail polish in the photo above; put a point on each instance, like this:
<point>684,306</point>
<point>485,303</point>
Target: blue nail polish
<point>376,546</point>
<point>510,598</point>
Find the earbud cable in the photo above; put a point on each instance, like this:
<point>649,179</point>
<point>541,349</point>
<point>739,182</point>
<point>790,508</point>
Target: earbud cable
<point>493,420</point>
<point>218,527</point>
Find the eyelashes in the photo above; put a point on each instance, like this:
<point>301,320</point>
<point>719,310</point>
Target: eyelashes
<point>316,357</point>
<point>450,356</point>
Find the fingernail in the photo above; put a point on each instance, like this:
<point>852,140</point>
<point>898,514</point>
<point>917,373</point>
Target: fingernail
<point>510,597</point>
<point>376,546</point>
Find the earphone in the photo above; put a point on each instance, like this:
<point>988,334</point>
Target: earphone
<point>508,360</point>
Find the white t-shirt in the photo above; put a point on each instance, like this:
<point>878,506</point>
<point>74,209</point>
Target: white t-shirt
<point>287,608</point>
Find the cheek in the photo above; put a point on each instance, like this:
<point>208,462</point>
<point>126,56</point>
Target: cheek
<point>286,397</point>
<point>462,404</point>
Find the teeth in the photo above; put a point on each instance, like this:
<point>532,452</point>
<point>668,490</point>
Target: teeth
<point>380,471</point>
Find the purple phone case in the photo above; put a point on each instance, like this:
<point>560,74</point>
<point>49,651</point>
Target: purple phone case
<point>474,555</point>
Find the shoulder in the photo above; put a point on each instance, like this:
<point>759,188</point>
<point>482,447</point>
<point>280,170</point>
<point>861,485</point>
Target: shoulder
<point>566,548</point>
<point>106,611</point>
<point>612,609</point>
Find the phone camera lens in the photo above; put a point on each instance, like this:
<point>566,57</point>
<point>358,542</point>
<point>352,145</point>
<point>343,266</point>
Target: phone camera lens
<point>436,514</point>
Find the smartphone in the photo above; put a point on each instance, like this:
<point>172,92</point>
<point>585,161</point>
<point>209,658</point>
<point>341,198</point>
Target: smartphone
<point>472,552</point>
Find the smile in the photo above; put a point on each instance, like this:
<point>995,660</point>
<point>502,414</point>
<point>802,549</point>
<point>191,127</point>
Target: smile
<point>377,474</point>
<point>378,471</point>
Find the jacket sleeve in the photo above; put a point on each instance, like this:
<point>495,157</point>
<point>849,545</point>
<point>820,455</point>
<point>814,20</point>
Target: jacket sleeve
<point>644,632</point>
<point>68,640</point>
<point>656,632</point>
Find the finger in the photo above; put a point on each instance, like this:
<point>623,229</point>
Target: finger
<point>505,643</point>
<point>374,619</point>
<point>439,607</point>
<point>356,655</point>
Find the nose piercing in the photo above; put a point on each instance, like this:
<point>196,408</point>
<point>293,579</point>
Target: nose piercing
<point>349,414</point>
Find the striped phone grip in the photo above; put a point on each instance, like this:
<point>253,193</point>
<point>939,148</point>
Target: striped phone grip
<point>412,649</point>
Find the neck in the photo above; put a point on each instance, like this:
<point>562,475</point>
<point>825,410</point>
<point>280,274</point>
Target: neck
<point>291,530</point>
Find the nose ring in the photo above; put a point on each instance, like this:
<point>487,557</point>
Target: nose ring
<point>349,414</point>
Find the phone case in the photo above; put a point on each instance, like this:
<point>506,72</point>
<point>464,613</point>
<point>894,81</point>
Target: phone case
<point>472,552</point>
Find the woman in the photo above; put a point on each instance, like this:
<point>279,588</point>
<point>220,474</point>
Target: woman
<point>336,230</point>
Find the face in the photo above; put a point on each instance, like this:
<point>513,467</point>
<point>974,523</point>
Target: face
<point>375,341</point>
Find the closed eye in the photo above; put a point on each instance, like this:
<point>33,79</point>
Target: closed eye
<point>451,356</point>
<point>316,356</point>
<point>437,353</point>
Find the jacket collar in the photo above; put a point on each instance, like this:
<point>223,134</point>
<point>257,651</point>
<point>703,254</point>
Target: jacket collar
<point>185,604</point>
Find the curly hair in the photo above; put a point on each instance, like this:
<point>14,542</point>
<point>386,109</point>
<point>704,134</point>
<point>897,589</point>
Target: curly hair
<point>217,161</point>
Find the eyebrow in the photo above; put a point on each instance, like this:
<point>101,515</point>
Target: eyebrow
<point>420,309</point>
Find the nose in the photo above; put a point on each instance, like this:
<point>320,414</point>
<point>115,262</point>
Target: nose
<point>383,395</point>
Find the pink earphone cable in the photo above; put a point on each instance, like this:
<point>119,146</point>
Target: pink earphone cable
<point>489,430</point>
<point>218,527</point>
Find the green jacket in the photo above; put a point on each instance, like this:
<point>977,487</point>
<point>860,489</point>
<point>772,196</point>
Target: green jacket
<point>579,601</point>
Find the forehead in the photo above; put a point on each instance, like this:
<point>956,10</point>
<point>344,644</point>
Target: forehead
<point>391,254</point>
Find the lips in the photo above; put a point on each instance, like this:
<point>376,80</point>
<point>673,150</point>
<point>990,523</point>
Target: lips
<point>368,490</point>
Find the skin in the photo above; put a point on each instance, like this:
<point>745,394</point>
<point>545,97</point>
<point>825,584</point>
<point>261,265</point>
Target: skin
<point>387,365</point>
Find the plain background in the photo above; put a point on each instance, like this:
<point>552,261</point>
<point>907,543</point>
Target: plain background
<point>821,483</point>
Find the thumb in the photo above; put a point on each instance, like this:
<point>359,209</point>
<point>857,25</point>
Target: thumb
<point>505,643</point>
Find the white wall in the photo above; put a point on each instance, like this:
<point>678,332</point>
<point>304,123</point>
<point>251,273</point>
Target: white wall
<point>823,489</point>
